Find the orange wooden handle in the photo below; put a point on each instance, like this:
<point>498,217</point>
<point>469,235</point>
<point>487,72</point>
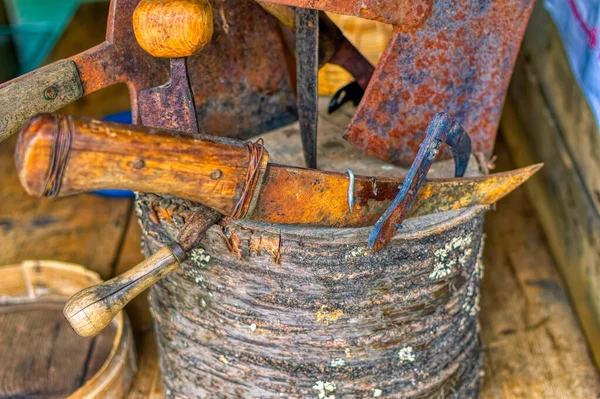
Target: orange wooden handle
<point>58,155</point>
<point>173,28</point>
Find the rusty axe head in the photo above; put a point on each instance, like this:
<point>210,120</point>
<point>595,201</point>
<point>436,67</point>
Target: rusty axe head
<point>459,60</point>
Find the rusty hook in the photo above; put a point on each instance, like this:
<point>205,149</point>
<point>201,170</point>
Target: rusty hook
<point>442,129</point>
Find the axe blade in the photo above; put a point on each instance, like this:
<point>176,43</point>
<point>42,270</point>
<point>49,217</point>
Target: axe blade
<point>459,61</point>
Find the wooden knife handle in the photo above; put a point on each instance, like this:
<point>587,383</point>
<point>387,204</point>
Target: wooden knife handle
<point>44,90</point>
<point>92,309</point>
<point>60,155</point>
<point>173,28</point>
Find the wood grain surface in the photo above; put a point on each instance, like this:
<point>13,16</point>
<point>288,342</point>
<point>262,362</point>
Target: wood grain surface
<point>534,347</point>
<point>173,28</point>
<point>103,155</point>
<point>44,90</point>
<point>533,344</point>
<point>41,355</point>
<point>85,229</point>
<point>565,205</point>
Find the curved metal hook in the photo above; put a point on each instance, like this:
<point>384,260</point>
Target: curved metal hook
<point>442,129</point>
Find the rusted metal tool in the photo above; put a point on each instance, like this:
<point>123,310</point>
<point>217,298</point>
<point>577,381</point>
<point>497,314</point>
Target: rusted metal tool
<point>396,12</point>
<point>224,173</point>
<point>443,129</point>
<point>307,63</point>
<point>456,56</point>
<point>238,90</point>
<point>169,106</point>
<point>92,309</point>
<point>333,48</point>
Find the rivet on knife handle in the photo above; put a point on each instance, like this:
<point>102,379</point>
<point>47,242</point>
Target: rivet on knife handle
<point>45,90</point>
<point>443,129</point>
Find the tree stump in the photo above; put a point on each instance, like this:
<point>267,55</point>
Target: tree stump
<point>272,311</point>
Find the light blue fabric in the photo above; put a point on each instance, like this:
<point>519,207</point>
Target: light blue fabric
<point>578,22</point>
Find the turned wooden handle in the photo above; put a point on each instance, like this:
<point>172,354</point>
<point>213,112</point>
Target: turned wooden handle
<point>92,309</point>
<point>45,90</point>
<point>173,28</point>
<point>60,155</point>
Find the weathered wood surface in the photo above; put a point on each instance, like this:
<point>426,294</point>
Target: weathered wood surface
<point>299,311</point>
<point>533,344</point>
<point>544,61</point>
<point>147,383</point>
<point>173,28</point>
<point>85,229</point>
<point>226,175</point>
<point>41,355</point>
<point>86,30</point>
<point>564,193</point>
<point>91,310</point>
<point>307,311</point>
<point>44,90</point>
<point>207,169</point>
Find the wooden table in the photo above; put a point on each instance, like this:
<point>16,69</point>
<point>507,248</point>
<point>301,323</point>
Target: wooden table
<point>534,347</point>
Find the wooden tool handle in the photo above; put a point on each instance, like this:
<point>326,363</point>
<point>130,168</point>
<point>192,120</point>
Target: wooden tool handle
<point>92,309</point>
<point>173,28</point>
<point>58,155</point>
<point>44,90</point>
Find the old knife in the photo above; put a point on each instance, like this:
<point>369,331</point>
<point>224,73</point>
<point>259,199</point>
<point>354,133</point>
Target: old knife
<point>59,155</point>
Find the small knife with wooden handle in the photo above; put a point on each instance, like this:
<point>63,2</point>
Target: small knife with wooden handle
<point>59,155</point>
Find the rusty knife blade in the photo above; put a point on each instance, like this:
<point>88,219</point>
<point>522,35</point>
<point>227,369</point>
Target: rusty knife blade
<point>291,195</point>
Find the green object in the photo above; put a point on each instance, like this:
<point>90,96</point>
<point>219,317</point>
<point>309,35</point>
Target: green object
<point>36,26</point>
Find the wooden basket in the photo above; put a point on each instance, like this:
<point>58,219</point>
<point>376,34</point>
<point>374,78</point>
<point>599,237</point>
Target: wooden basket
<point>41,356</point>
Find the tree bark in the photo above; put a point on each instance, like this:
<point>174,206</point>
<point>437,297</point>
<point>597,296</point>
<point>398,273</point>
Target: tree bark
<point>271,311</point>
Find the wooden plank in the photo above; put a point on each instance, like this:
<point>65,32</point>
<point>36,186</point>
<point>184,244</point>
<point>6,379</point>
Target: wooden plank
<point>544,54</point>
<point>41,355</point>
<point>84,229</point>
<point>147,383</point>
<point>534,347</point>
<point>567,211</point>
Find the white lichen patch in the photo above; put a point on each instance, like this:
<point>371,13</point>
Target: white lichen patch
<point>339,362</point>
<point>456,253</point>
<point>356,252</point>
<point>471,304</point>
<point>325,389</point>
<point>253,327</point>
<point>407,355</point>
<point>199,257</point>
<point>377,393</point>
